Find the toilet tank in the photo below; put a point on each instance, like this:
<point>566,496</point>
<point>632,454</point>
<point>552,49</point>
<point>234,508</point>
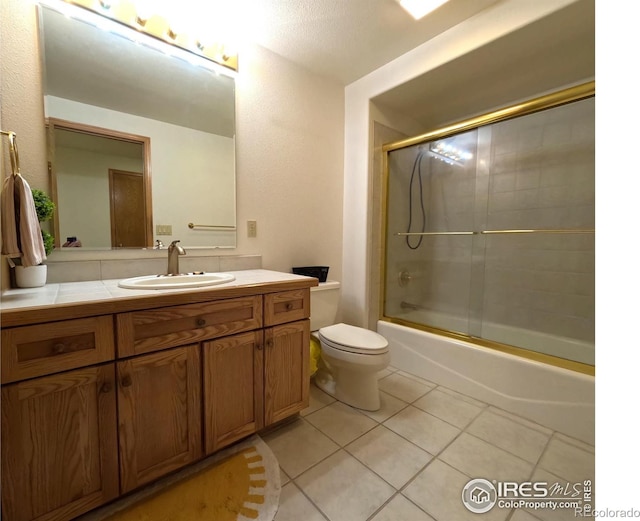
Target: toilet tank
<point>324,304</point>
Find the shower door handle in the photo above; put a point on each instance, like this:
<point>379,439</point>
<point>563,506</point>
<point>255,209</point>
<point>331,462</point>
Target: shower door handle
<point>410,234</point>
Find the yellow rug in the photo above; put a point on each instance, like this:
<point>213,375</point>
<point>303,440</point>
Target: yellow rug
<point>241,483</point>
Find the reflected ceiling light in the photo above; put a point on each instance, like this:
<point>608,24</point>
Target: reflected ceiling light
<point>448,153</point>
<point>421,8</point>
<point>161,20</point>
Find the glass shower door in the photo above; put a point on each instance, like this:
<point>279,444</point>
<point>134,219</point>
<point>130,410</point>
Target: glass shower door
<point>430,235</point>
<point>490,232</point>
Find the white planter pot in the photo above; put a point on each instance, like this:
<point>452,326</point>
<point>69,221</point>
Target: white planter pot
<point>31,277</point>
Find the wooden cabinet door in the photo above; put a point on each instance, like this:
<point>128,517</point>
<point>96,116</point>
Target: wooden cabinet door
<point>59,445</point>
<point>159,414</point>
<point>233,389</point>
<point>286,370</point>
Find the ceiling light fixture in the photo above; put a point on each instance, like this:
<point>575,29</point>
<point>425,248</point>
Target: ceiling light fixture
<point>421,8</point>
<point>172,26</point>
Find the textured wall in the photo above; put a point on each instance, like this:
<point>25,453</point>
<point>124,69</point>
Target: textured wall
<point>290,128</point>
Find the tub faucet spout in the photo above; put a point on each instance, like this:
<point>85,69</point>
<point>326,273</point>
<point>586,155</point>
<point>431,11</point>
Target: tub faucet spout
<point>174,251</point>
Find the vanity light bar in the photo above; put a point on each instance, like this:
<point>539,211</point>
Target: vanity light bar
<point>151,31</point>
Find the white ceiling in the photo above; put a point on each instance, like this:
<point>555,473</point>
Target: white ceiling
<point>347,39</point>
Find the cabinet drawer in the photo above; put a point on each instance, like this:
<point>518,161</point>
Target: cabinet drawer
<point>43,349</point>
<point>286,306</point>
<point>155,329</point>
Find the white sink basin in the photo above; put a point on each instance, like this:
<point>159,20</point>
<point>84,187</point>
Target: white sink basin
<point>190,280</point>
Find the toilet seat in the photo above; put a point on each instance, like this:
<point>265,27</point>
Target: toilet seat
<point>353,339</point>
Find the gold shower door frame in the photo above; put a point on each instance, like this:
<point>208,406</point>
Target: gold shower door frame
<point>562,97</point>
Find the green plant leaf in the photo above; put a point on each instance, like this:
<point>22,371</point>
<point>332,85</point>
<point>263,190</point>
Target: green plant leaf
<point>44,205</point>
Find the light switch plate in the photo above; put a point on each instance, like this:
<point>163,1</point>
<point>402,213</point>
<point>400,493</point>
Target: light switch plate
<point>252,228</point>
<point>163,229</point>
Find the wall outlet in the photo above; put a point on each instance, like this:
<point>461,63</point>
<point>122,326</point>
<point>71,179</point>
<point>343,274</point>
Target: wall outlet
<point>252,228</point>
<point>163,229</point>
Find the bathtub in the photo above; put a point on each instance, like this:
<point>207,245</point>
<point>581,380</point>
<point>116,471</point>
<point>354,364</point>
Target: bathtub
<point>557,398</point>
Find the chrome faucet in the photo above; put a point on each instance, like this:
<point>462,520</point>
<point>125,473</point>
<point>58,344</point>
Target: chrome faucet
<point>174,251</point>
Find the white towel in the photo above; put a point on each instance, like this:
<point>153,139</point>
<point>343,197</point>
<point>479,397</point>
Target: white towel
<point>21,235</point>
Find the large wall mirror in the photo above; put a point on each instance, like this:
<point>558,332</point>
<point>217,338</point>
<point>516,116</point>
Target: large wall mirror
<point>138,138</point>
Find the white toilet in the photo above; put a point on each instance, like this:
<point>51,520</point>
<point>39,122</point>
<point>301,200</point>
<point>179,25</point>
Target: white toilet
<point>351,356</point>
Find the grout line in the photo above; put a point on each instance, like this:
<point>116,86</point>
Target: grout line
<point>381,507</point>
<point>309,499</point>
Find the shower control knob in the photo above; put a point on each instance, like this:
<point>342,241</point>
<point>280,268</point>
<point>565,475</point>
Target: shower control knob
<point>404,277</point>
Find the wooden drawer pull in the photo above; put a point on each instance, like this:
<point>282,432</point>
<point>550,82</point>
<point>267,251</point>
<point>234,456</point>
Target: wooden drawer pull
<point>289,306</point>
<point>59,349</point>
<point>126,381</point>
<point>201,322</point>
<point>106,388</point>
<point>259,347</point>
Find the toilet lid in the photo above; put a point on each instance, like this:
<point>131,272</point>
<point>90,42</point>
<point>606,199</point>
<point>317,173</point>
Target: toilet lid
<point>354,339</point>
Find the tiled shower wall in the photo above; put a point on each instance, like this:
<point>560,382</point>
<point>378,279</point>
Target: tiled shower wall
<point>536,172</point>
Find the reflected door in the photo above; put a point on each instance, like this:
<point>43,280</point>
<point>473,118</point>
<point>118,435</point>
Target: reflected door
<point>126,190</point>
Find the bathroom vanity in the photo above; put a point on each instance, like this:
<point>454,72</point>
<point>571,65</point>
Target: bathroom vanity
<point>105,393</point>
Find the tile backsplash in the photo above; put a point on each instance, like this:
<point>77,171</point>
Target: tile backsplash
<point>105,269</point>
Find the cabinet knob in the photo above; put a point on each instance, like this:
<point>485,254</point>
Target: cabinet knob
<point>269,343</point>
<point>201,322</point>
<point>126,381</point>
<point>59,348</point>
<point>259,347</point>
<point>289,306</point>
<point>106,388</point>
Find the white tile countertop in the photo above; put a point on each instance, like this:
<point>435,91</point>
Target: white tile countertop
<point>66,293</point>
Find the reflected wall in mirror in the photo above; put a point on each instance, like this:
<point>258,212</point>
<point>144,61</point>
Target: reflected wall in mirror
<point>103,80</point>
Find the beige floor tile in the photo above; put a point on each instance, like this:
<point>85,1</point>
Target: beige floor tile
<point>509,435</point>
<point>523,421</point>
<point>403,387</point>
<point>425,430</point>
<point>461,396</point>
<point>317,400</point>
<point>389,405</point>
<point>417,378</point>
<point>448,408</point>
<point>479,459</point>
<point>573,441</point>
<point>284,479</point>
<point>401,509</point>
<point>298,446</point>
<point>523,515</point>
<point>294,506</point>
<point>388,455</point>
<point>383,373</point>
<point>567,461</point>
<point>344,489</point>
<point>341,423</point>
<point>437,490</point>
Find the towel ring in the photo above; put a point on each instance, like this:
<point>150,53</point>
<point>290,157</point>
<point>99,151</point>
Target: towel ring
<point>13,151</point>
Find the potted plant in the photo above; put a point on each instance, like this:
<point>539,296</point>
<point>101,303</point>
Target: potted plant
<point>36,276</point>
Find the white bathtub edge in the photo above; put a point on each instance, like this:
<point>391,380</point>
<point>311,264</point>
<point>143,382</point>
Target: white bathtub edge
<point>556,398</point>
